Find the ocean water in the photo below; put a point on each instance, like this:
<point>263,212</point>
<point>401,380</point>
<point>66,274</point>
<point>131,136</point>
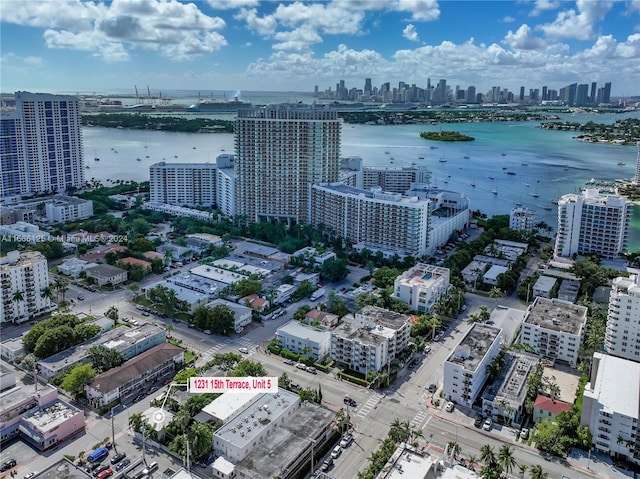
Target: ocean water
<point>547,164</point>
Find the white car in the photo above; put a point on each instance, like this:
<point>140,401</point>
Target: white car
<point>243,350</point>
<point>449,407</point>
<point>487,424</point>
<point>335,454</point>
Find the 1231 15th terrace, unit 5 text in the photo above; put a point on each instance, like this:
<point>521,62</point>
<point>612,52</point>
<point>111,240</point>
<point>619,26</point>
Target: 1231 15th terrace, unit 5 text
<point>249,385</point>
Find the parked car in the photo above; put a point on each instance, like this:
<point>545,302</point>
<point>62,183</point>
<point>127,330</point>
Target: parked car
<point>118,457</point>
<point>487,424</point>
<point>335,454</point>
<point>108,472</point>
<point>432,388</point>
<point>30,475</point>
<point>150,468</point>
<point>100,470</point>
<point>427,349</point>
<point>289,362</point>
<point>449,407</point>
<point>327,464</point>
<point>123,464</point>
<point>346,441</point>
<point>478,421</point>
<point>311,369</point>
<point>243,350</point>
<point>301,366</point>
<point>524,433</point>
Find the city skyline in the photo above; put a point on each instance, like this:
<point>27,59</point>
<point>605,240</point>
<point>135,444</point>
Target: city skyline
<point>280,46</point>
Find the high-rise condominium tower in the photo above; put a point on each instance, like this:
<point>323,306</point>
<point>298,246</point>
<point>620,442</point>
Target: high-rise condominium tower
<point>41,147</point>
<point>622,337</point>
<point>593,223</point>
<point>281,150</point>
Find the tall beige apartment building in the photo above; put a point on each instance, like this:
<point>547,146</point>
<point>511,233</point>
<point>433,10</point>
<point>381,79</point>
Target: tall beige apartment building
<point>280,152</point>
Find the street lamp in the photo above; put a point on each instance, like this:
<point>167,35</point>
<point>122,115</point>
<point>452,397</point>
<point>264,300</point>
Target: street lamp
<point>589,459</point>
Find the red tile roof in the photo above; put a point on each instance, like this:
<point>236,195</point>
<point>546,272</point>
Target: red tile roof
<point>131,261</point>
<point>556,406</point>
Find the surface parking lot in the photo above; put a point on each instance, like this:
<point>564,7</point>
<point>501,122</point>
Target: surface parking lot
<point>21,452</point>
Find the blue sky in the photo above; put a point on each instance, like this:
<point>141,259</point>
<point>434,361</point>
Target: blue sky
<point>86,46</point>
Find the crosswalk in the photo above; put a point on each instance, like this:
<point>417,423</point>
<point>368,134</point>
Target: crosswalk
<point>239,342</point>
<point>371,403</point>
<point>418,419</point>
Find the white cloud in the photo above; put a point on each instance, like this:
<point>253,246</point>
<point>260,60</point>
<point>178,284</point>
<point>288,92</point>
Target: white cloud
<point>508,19</point>
<point>264,26</point>
<point>421,10</point>
<point>577,24</point>
<point>230,4</point>
<point>542,5</point>
<point>523,39</point>
<point>298,39</point>
<point>410,33</point>
<point>177,30</point>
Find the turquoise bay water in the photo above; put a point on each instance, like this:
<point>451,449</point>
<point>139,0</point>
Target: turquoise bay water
<point>547,164</point>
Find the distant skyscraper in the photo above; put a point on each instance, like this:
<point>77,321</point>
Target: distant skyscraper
<point>281,150</point>
<point>367,86</point>
<point>183,184</point>
<point>41,147</point>
<point>622,337</point>
<point>544,93</point>
<point>606,96</point>
<point>582,95</point>
<point>521,93</point>
<point>594,89</point>
<point>591,223</point>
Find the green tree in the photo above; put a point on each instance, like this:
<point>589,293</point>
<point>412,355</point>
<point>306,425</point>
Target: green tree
<point>61,285</point>
<point>453,449</point>
<point>536,472</point>
<point>339,308</point>
<point>112,313</point>
<point>522,468</point>
<point>78,378</point>
<point>200,438</point>
<point>484,313</point>
<point>18,297</point>
<point>506,459</point>
<point>495,293</point>
<point>104,358</point>
<point>247,287</point>
<point>399,431</point>
<point>29,363</point>
<point>305,288</point>
<point>54,340</point>
<point>137,422</point>
<point>385,277</point>
<point>334,269</point>
<point>46,292</point>
<point>283,381</point>
<point>300,313</point>
<point>248,368</point>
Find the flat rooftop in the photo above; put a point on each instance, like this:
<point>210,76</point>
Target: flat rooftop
<point>352,331</point>
<point>384,317</point>
<point>49,417</point>
<point>475,344</point>
<point>406,462</point>
<point>545,283</point>
<point>228,404</point>
<point>17,394</point>
<point>617,385</point>
<point>287,443</point>
<point>424,275</point>
<point>299,330</point>
<point>246,426</point>
<point>217,274</point>
<point>63,469</point>
<point>254,249</point>
<point>567,380</point>
<point>513,386</point>
<point>556,315</point>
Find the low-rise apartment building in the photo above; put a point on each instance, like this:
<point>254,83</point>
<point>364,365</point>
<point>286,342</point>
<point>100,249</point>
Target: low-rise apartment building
<point>554,328</point>
<point>104,274</point>
<point>465,370</point>
<point>241,314</point>
<point>132,377</point>
<point>422,286</point>
<point>544,286</point>
<point>304,339</point>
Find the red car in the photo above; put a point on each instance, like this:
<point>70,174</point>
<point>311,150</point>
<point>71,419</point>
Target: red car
<point>104,474</point>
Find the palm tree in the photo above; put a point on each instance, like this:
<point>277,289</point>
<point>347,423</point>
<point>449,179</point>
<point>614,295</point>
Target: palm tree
<point>200,438</point>
<point>471,462</point>
<point>434,322</point>
<point>182,420</point>
<point>399,431</point>
<point>505,458</point>
<point>474,318</point>
<point>537,472</point>
<point>453,449</point>
<point>137,422</point>
<point>523,468</point>
<point>61,285</point>
<point>18,297</point>
<point>112,313</point>
<point>487,455</point>
<point>495,293</point>
<point>485,315</point>
<point>46,292</point>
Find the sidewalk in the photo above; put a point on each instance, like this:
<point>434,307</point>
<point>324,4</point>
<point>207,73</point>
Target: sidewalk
<point>599,465</point>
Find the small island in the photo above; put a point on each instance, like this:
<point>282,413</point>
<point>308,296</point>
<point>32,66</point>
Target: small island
<point>445,136</point>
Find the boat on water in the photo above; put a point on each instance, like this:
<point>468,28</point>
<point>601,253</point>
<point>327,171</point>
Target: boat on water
<point>387,152</point>
<point>504,154</point>
<point>433,147</point>
<point>87,167</point>
<point>527,185</point>
<point>473,184</point>
<point>494,191</point>
<point>554,201</point>
<point>138,159</point>
<point>524,164</point>
<point>491,177</point>
<point>442,160</point>
<point>535,195</point>
<point>147,156</point>
<point>194,147</point>
<point>545,207</point>
<point>175,156</point>
<point>466,157</point>
<point>421,157</point>
<point>96,159</point>
<point>621,163</point>
<point>509,172</point>
<point>518,204</point>
<point>220,105</point>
